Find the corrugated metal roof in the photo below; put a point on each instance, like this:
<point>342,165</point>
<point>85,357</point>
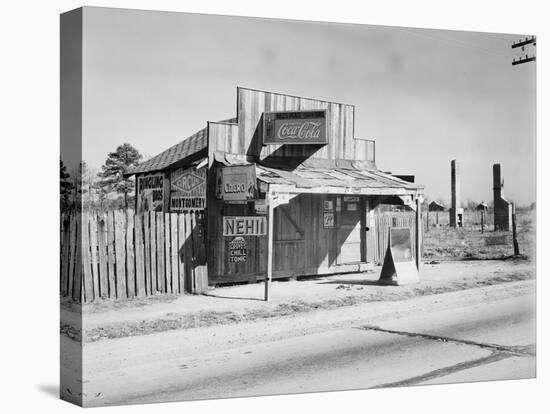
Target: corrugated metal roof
<point>344,178</point>
<point>189,146</point>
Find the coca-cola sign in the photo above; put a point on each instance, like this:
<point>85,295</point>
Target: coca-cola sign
<point>295,127</point>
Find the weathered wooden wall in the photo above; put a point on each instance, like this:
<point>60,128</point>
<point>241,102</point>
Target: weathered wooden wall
<point>120,255</point>
<point>301,244</point>
<point>342,143</point>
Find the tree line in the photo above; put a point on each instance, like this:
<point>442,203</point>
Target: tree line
<point>108,189</point>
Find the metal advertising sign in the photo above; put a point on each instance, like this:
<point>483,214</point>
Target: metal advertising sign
<point>328,220</point>
<point>150,192</point>
<point>237,183</point>
<point>188,190</point>
<point>295,127</point>
<point>328,205</point>
<point>260,206</point>
<point>237,250</point>
<point>244,226</point>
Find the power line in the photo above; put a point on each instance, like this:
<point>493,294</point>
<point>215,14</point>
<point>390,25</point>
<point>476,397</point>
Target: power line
<point>522,43</point>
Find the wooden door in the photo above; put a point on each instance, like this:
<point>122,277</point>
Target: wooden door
<point>348,230</point>
<point>289,238</point>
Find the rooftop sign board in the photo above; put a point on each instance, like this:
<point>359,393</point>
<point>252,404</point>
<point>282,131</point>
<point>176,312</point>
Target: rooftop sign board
<point>295,127</point>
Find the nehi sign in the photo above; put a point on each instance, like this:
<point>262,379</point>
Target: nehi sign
<point>295,127</point>
<point>244,226</point>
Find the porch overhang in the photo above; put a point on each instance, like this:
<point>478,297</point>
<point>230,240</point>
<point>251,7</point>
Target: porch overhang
<point>339,181</point>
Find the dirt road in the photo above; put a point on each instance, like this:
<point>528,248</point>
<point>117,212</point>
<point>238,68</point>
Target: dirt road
<point>476,334</point>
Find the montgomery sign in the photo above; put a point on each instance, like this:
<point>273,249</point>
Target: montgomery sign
<point>295,127</point>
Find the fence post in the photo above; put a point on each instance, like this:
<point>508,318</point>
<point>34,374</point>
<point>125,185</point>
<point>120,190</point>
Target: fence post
<point>514,234</point>
<point>418,230</point>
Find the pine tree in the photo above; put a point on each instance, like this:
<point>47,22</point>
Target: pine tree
<point>116,165</point>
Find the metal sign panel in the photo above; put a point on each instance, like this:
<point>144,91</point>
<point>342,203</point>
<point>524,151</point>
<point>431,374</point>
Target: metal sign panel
<point>188,190</point>
<point>237,183</point>
<point>237,250</point>
<point>399,267</point>
<point>244,226</point>
<point>295,127</point>
<point>328,220</point>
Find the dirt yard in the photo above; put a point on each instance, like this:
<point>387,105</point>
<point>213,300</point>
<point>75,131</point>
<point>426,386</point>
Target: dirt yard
<point>445,243</point>
<point>243,303</point>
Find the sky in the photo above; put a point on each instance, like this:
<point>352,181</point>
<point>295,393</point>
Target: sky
<point>425,96</point>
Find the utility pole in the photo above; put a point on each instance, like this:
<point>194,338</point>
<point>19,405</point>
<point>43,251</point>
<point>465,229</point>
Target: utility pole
<point>522,44</point>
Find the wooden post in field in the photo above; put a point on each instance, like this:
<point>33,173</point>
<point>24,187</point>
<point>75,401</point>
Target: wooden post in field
<point>418,230</point>
<point>427,221</point>
<point>269,244</point>
<point>514,233</point>
<point>482,220</point>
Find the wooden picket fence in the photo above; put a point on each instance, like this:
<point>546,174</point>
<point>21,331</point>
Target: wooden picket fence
<point>393,219</point>
<point>123,255</point>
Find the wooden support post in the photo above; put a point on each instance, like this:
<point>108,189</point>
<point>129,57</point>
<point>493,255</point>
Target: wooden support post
<point>269,245</point>
<point>482,220</point>
<point>418,231</point>
<point>514,233</point>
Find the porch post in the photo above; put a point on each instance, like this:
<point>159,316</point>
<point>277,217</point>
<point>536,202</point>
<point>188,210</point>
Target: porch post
<point>269,201</point>
<point>418,232</point>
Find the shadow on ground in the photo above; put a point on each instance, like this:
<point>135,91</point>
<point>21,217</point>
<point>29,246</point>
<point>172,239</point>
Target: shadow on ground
<point>51,390</point>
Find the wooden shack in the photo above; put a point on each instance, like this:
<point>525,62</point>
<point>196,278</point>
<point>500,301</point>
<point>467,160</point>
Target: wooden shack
<point>284,189</point>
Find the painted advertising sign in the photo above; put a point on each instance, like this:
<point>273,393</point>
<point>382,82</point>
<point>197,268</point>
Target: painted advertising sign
<point>244,226</point>
<point>237,183</point>
<point>150,192</point>
<point>188,190</point>
<point>260,206</point>
<point>328,205</point>
<point>237,250</point>
<point>295,127</point>
<point>328,220</point>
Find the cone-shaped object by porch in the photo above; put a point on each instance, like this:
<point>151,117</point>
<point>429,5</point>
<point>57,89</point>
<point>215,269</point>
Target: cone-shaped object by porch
<point>399,267</point>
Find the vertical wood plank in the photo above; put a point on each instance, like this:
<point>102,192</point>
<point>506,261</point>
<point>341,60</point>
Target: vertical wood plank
<point>181,253</point>
<point>103,258</point>
<point>189,270</point>
<point>147,252</point>
<point>73,240</point>
<point>174,252</point>
<point>167,261</point>
<point>120,251</point>
<point>153,240</point>
<point>64,261</point>
<point>93,254</point>
<point>269,269</point>
<point>87,286</point>
<point>201,274</point>
<point>77,276</point>
<point>111,255</point>
<point>161,282</point>
<point>140,259</point>
<point>130,263</point>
